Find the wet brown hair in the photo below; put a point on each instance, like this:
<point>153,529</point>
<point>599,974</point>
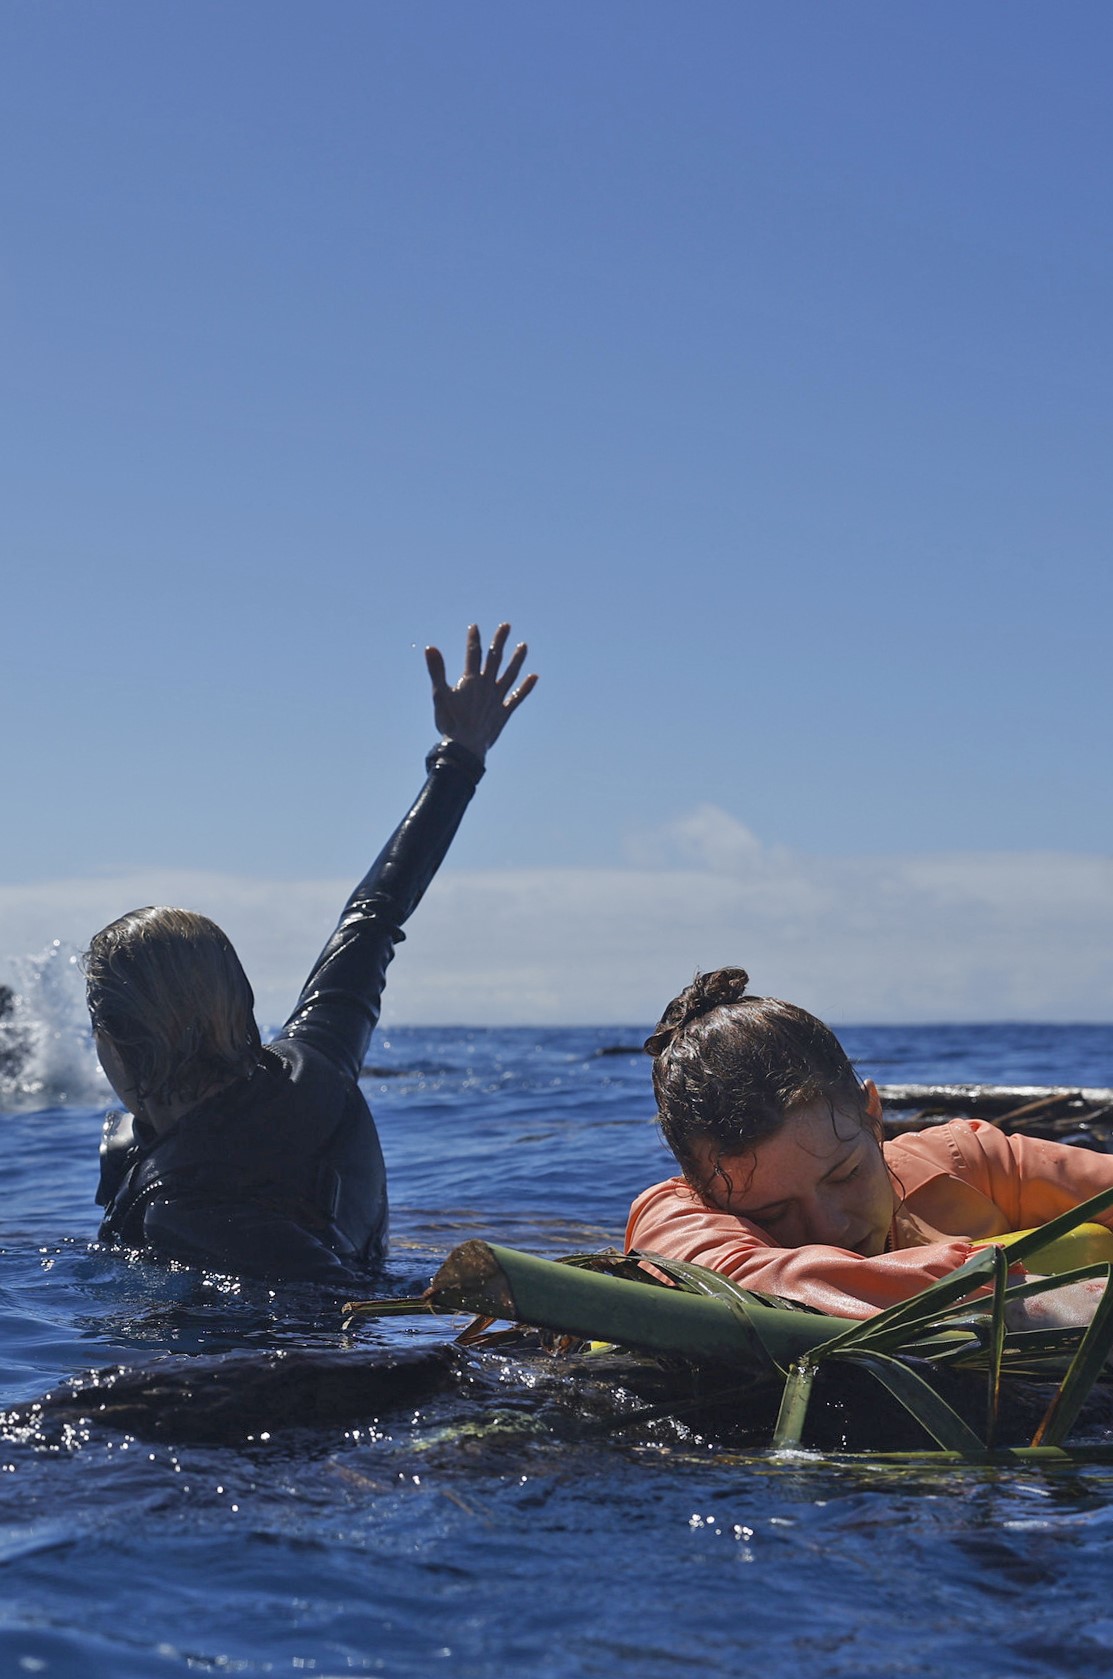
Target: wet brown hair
<point>729,1068</point>
<point>167,988</point>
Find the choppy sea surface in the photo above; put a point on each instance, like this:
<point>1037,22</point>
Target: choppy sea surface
<point>508,1525</point>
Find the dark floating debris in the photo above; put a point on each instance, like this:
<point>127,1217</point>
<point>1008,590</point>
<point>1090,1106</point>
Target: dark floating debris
<point>618,1049</point>
<point>1059,1114</point>
<point>235,1397</point>
<point>985,1100</point>
<point>1081,1117</point>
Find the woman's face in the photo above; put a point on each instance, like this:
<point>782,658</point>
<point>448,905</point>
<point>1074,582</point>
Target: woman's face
<point>116,1073</point>
<point>821,1178</point>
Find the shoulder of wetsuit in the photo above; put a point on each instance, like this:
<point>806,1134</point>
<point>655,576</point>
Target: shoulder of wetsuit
<point>292,1131</point>
<point>292,1146</point>
<point>120,1149</point>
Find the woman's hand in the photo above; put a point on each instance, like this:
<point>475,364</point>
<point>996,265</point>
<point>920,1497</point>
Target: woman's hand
<point>1069,1307</point>
<point>474,712</point>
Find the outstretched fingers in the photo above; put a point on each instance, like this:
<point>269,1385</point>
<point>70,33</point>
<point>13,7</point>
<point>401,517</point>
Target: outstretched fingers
<point>494,657</point>
<point>472,711</point>
<point>520,693</point>
<point>510,675</point>
<point>434,664</point>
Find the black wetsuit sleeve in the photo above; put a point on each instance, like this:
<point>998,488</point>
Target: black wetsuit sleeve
<point>340,1003</point>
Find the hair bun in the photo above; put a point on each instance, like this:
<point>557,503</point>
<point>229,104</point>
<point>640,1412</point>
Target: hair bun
<point>706,992</point>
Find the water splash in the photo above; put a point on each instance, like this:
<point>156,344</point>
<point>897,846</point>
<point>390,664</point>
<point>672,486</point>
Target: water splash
<point>47,1057</point>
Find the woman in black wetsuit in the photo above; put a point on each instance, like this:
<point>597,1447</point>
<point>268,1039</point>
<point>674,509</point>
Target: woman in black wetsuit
<point>264,1161</point>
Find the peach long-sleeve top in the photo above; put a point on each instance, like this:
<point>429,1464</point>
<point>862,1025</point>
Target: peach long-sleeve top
<point>962,1181</point>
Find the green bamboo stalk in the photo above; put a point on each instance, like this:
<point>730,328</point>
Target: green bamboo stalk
<point>793,1411</point>
<point>706,1317</point>
<point>785,1335</point>
<point>393,1306</point>
<point>996,1347</point>
<point>501,1283</point>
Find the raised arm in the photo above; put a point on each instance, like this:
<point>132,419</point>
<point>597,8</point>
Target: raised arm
<point>340,1003</point>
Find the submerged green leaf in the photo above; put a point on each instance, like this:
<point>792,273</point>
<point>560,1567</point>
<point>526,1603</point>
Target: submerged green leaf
<point>920,1400</point>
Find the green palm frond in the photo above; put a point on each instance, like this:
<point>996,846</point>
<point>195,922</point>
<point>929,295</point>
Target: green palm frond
<point>1077,1385</point>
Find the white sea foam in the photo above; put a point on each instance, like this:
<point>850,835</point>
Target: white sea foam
<point>46,1048</point>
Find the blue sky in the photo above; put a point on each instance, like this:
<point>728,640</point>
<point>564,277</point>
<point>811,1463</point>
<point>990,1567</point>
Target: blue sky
<point>753,359</point>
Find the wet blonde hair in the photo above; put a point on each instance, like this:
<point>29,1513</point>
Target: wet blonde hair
<point>166,986</point>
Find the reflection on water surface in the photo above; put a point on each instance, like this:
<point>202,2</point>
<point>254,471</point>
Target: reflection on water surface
<point>507,1520</point>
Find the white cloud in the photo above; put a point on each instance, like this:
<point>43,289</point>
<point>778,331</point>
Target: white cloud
<point>952,936</point>
<point>705,838</point>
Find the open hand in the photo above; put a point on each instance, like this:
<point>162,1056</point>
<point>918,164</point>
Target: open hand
<point>474,712</point>
<point>1068,1307</point>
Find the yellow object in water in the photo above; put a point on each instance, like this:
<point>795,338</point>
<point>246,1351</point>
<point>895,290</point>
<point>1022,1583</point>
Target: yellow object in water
<point>1086,1244</point>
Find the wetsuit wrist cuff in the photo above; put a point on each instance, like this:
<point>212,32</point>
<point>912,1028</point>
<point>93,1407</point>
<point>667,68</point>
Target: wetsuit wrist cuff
<point>451,752</point>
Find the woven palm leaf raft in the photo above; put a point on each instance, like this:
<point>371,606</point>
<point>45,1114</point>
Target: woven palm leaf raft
<point>925,1356</point>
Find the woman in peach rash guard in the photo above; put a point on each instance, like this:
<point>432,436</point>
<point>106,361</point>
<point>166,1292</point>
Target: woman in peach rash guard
<point>789,1188</point>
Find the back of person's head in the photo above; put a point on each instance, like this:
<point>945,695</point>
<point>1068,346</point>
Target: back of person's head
<point>729,1068</point>
<point>166,987</point>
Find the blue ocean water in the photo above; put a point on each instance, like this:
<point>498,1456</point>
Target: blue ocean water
<point>510,1526</point>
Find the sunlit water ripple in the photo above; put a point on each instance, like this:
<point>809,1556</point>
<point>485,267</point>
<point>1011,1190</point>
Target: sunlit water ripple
<point>508,1526</point>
